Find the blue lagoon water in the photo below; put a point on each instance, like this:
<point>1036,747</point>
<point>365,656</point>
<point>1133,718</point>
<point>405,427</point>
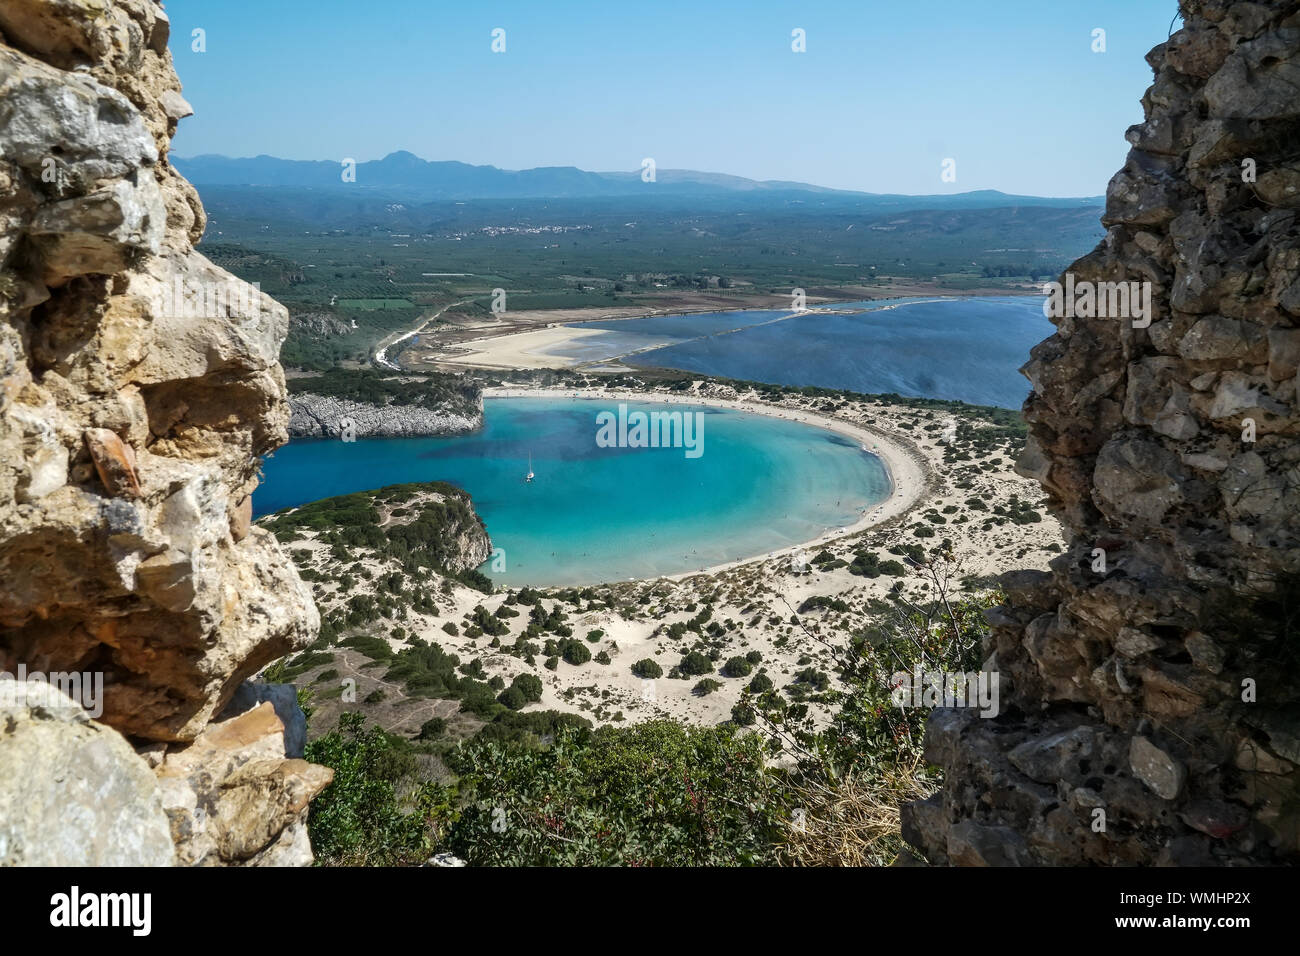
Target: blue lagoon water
<point>605,514</point>
<point>967,350</point>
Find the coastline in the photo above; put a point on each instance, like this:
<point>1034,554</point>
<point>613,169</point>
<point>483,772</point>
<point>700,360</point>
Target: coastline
<point>904,467</point>
<point>759,603</point>
<point>534,341</point>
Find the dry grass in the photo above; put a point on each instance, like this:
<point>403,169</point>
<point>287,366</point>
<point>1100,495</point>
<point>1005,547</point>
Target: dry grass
<point>855,822</point>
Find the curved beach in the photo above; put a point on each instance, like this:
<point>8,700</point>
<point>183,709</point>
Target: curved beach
<point>904,467</point>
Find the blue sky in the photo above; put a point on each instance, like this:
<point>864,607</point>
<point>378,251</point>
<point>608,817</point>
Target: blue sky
<point>1010,89</point>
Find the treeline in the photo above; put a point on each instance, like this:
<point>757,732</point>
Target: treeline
<point>440,391</point>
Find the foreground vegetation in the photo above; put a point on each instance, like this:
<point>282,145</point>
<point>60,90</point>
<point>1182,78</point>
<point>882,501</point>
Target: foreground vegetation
<point>766,787</point>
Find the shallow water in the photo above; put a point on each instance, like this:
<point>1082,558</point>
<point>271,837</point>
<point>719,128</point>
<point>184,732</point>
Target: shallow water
<point>966,350</point>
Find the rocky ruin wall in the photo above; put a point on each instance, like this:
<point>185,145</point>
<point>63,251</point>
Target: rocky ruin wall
<point>1150,711</point>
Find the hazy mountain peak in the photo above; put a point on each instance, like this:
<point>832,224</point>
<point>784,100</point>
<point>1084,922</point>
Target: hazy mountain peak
<point>451,179</point>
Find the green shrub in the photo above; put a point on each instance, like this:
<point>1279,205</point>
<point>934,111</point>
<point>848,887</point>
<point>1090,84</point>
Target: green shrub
<point>575,652</point>
<point>513,698</point>
<point>742,713</point>
<point>425,670</point>
<point>654,794</point>
<point>865,564</point>
<point>375,648</point>
<point>487,623</point>
<point>647,669</point>
<point>820,601</point>
<point>433,728</point>
<point>737,667</point>
<point>529,729</point>
<point>530,685</point>
<point>695,663</point>
<point>359,819</point>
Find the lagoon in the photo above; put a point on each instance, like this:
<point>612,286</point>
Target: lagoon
<point>597,514</point>
<point>962,349</point>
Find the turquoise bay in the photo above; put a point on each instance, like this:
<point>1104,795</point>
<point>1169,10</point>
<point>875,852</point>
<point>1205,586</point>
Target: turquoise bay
<point>596,514</point>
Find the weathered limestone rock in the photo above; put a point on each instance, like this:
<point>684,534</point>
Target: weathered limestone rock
<point>131,432</point>
<point>114,462</point>
<point>131,425</point>
<point>317,416</point>
<point>1148,709</point>
<point>284,699</point>
<point>234,798</point>
<point>98,233</point>
<point>1160,772</point>
<point>72,791</point>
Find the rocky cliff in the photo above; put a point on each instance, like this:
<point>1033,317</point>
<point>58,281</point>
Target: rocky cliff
<point>1150,710</point>
<point>139,383</point>
<point>367,403</point>
<point>324,416</point>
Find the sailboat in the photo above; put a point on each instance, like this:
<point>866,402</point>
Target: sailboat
<point>529,476</point>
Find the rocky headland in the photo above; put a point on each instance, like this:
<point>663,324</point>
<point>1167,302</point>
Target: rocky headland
<point>324,416</point>
<point>365,403</point>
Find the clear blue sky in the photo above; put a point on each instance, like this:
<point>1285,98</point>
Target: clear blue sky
<point>1010,89</point>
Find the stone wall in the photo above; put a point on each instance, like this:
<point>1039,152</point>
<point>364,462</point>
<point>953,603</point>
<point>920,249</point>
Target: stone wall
<point>1150,709</point>
<point>131,426</point>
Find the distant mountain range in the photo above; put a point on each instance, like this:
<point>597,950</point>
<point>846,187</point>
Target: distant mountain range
<point>405,173</point>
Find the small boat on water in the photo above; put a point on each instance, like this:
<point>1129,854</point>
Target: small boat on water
<point>530,476</point>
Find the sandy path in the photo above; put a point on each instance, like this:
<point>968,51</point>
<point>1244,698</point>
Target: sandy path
<point>381,353</point>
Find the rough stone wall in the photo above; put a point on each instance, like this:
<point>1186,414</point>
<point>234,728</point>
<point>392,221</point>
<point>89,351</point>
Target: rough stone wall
<point>1151,674</point>
<point>131,425</point>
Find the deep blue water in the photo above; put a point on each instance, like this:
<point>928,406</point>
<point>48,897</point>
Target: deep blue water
<point>603,514</point>
<point>960,349</point>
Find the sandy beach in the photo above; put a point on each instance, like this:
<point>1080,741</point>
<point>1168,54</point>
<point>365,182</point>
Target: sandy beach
<point>519,350</point>
<point>523,343</point>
